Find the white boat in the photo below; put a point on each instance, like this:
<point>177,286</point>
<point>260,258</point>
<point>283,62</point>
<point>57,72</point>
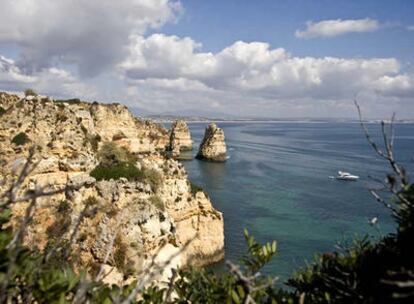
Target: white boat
<point>346,176</point>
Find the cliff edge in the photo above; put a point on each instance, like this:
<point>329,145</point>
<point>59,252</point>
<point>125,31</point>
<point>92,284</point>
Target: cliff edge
<point>151,215</point>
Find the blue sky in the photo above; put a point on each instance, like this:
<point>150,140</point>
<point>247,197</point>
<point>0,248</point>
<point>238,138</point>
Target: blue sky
<point>219,23</point>
<point>239,58</point>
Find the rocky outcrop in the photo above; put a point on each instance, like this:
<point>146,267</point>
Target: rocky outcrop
<point>180,137</point>
<point>143,220</point>
<point>7,100</point>
<point>213,146</point>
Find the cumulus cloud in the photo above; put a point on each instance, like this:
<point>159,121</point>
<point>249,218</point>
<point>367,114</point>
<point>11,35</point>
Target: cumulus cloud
<point>337,27</point>
<point>397,86</point>
<point>91,34</point>
<point>51,81</point>
<point>256,69</point>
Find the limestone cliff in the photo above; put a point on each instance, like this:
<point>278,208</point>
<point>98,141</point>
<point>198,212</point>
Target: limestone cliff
<point>143,220</point>
<point>213,146</point>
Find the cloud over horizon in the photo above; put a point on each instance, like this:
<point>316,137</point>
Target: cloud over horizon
<point>254,68</point>
<point>337,27</point>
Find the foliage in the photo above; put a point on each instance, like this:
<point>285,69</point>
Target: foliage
<point>20,139</point>
<point>157,202</point>
<point>2,111</point>
<point>153,177</point>
<point>112,154</point>
<point>30,92</point>
<point>93,141</point>
<point>258,255</point>
<point>116,162</point>
<point>126,170</point>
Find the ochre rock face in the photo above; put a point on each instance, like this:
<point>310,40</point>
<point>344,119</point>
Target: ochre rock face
<point>213,146</point>
<point>148,220</point>
<point>180,137</point>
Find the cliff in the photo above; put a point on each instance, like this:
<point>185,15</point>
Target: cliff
<point>213,146</point>
<point>147,218</point>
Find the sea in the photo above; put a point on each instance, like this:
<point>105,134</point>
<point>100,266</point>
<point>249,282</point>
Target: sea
<point>277,183</point>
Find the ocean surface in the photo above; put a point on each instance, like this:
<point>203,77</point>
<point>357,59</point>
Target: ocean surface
<point>276,184</point>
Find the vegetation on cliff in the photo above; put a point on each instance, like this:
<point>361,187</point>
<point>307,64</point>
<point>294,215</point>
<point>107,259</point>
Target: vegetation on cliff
<point>20,139</point>
<point>116,163</point>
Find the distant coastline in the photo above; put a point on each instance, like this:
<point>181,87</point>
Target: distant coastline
<point>190,119</point>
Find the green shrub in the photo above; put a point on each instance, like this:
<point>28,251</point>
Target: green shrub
<point>20,139</point>
<point>62,223</point>
<point>2,111</point>
<point>154,178</point>
<point>93,140</point>
<point>61,117</point>
<point>126,170</point>
<point>157,202</point>
<point>63,206</point>
<point>118,136</point>
<point>91,201</point>
<point>30,92</point>
<point>111,154</point>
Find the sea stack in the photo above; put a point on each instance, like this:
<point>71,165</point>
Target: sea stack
<point>213,146</point>
<point>180,137</point>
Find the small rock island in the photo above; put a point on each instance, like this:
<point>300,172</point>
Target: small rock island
<point>213,146</point>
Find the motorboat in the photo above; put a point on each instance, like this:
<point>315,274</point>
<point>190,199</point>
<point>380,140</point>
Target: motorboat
<point>346,176</point>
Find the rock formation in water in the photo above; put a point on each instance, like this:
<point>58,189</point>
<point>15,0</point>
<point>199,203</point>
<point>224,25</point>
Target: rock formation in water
<point>159,213</point>
<point>213,146</point>
<point>180,137</point>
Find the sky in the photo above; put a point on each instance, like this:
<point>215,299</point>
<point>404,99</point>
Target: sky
<point>274,59</point>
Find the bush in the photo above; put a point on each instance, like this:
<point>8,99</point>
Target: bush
<point>20,139</point>
<point>93,141</point>
<point>111,154</point>
<point>126,170</point>
<point>30,92</point>
<point>2,111</point>
<point>157,202</point>
<point>154,178</point>
<point>118,136</point>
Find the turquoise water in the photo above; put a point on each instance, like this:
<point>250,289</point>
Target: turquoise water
<point>276,184</point>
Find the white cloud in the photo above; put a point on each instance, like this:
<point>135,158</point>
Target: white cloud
<point>91,34</point>
<point>11,76</point>
<point>50,81</point>
<point>398,86</point>
<point>337,27</point>
<point>255,69</point>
